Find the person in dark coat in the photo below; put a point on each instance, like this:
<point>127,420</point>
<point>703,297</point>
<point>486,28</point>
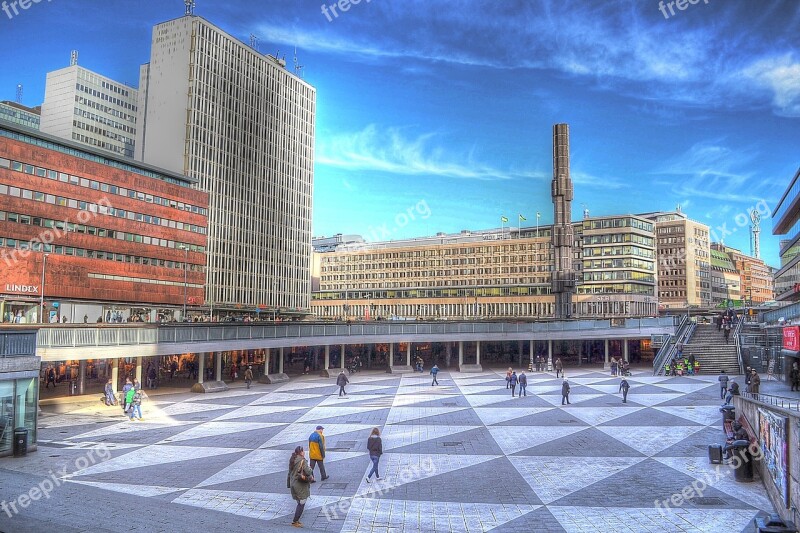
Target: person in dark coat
<point>723,384</point>
<point>565,392</point>
<point>559,368</point>
<point>794,376</point>
<point>299,481</point>
<point>733,390</point>
<point>624,386</point>
<point>523,384</point>
<point>513,382</point>
<point>341,381</point>
<point>755,382</point>
<point>375,448</point>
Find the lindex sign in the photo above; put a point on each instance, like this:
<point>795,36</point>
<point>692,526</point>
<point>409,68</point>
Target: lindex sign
<point>21,289</point>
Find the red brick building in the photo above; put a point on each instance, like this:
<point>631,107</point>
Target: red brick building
<point>113,239</point>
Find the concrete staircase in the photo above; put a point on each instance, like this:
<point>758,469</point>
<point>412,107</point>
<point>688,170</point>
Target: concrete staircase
<point>709,348</point>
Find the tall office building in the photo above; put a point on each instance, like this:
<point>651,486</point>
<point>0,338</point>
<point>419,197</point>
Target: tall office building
<point>83,106</point>
<point>786,222</point>
<point>243,126</point>
<point>563,283</point>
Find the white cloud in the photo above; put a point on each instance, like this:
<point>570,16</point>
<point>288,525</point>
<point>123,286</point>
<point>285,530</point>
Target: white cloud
<point>781,76</point>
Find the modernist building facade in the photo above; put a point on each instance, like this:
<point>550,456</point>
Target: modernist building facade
<point>684,261</point>
<point>786,222</point>
<point>491,274</point>
<point>20,114</point>
<point>240,124</point>
<point>756,284</point>
<point>89,236</point>
<point>90,109</point>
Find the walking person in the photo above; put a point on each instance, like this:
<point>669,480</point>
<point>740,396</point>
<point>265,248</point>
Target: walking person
<point>434,371</point>
<point>51,377</point>
<point>341,381</point>
<point>152,377</point>
<point>129,396</point>
<point>125,390</point>
<point>375,448</point>
<point>316,451</point>
<point>613,366</point>
<point>299,480</point>
<point>513,383</point>
<point>248,376</point>
<point>508,377</point>
<point>559,367</point>
<point>565,392</point>
<point>624,386</point>
<point>747,375</point>
<point>523,384</point>
<point>109,392</point>
<point>794,376</point>
<point>755,382</point>
<point>723,384</point>
<point>136,410</point>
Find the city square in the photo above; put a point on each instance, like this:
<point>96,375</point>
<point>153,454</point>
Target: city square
<point>460,456</point>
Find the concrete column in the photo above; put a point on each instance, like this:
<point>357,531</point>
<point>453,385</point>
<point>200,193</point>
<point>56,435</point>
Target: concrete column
<point>81,376</point>
<point>391,354</point>
<point>478,352</point>
<point>460,353</point>
<point>549,355</point>
<point>580,352</point>
<point>605,347</point>
<point>218,367</point>
<point>201,367</point>
<point>519,352</point>
<point>530,353</point>
<point>341,357</point>
<point>370,349</point>
<point>327,357</point>
<point>267,353</point>
<point>625,349</point>
<point>408,354</point>
<point>448,353</point>
<point>280,360</point>
<point>139,369</point>
<point>114,374</point>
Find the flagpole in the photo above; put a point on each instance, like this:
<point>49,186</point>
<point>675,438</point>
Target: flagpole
<point>537,224</point>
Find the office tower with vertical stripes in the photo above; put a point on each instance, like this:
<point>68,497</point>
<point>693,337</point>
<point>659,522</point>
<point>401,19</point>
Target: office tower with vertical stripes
<point>563,282</point>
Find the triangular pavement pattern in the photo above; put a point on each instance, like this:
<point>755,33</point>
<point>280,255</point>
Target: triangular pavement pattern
<point>319,413</point>
<point>261,462</point>
<point>599,415</point>
<point>537,521</point>
<point>577,518</point>
<point>192,407</point>
<point>301,432</point>
<point>406,400</point>
<point>212,429</point>
<point>649,400</point>
<point>131,427</point>
<point>553,478</point>
<point>544,417</point>
<point>154,455</point>
<point>649,416</point>
<point>513,439</point>
<point>687,388</point>
<point>368,399</point>
<point>721,477</point>
<point>477,441</point>
<point>399,436</point>
<point>433,517</point>
<point>573,398</point>
<point>482,389</point>
<point>494,400</point>
<point>649,439</point>
<point>288,397</point>
<point>404,414</point>
<point>491,416</point>
<point>702,415</point>
<point>589,442</point>
<point>264,506</point>
<point>146,491</point>
<point>257,410</point>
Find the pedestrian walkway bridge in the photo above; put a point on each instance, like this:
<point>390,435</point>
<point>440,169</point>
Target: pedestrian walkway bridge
<point>69,341</point>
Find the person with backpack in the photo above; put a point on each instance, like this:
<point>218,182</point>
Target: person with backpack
<point>299,480</point>
<point>434,372</point>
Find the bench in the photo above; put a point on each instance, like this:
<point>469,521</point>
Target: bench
<point>728,428</point>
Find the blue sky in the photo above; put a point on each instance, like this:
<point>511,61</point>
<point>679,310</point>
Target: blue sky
<point>436,116</point>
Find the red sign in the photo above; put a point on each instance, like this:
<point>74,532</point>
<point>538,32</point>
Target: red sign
<point>791,338</point>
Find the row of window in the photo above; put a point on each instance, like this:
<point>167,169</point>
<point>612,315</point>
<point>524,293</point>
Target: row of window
<point>80,100</point>
<point>617,238</point>
<point>9,242</point>
<point>99,232</point>
<point>106,121</point>
<point>618,223</point>
<point>107,97</point>
<point>95,208</point>
<point>355,295</point>
<point>85,139</point>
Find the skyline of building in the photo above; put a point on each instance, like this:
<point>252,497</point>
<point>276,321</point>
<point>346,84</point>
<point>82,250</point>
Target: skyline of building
<point>240,124</point>
<point>91,109</point>
<point>30,117</point>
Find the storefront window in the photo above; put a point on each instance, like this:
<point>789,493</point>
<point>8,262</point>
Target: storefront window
<point>6,416</point>
<point>26,401</point>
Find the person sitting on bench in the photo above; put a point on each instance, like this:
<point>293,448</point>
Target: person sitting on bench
<point>739,433</point>
<point>733,390</point>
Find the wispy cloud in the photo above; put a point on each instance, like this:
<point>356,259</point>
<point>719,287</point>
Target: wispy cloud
<point>780,76</point>
<point>393,151</point>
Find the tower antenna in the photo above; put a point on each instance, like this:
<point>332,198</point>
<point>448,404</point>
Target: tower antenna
<point>254,42</point>
<point>73,58</point>
<point>298,68</point>
<point>19,93</point>
<point>189,7</point>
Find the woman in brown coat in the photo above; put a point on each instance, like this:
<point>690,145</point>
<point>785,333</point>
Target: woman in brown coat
<point>299,480</point>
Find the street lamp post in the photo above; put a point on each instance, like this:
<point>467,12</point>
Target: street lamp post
<point>185,280</point>
<point>41,290</point>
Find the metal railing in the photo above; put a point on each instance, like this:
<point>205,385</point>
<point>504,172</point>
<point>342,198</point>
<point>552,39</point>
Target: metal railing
<point>130,335</point>
<point>18,343</point>
<point>792,404</point>
<point>738,345</point>
<point>787,313</point>
<point>669,349</point>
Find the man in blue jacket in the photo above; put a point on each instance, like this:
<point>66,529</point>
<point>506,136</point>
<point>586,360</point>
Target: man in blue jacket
<point>434,371</point>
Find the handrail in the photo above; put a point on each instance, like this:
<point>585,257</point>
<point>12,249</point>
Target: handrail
<point>771,399</point>
<point>738,344</point>
<point>667,351</point>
